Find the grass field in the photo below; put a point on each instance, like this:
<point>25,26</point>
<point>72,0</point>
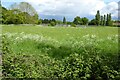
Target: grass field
<point>62,33</point>
<point>44,51</point>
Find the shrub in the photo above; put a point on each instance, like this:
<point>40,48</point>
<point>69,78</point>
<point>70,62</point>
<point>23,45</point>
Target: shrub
<point>52,23</point>
<point>73,25</point>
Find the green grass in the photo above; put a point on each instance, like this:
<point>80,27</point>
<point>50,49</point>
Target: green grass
<point>62,33</point>
<point>55,46</point>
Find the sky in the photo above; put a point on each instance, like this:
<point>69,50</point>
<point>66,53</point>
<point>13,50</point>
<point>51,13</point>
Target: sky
<point>69,8</point>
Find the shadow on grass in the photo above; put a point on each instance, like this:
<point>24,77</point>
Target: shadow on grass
<point>55,52</point>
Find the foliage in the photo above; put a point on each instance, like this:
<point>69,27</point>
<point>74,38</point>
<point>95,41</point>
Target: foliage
<point>52,23</point>
<point>24,7</point>
<point>84,21</point>
<point>18,15</point>
<point>77,20</point>
<point>64,20</point>
<point>40,21</point>
<point>92,22</point>
<point>73,25</point>
<point>97,18</point>
<point>104,21</point>
<point>108,21</point>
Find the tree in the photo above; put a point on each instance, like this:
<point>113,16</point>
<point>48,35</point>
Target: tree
<point>27,12</point>
<point>84,21</point>
<point>24,7</point>
<point>92,22</point>
<point>97,18</point>
<point>36,18</point>
<point>109,20</point>
<point>40,21</point>
<point>101,21</point>
<point>3,15</point>
<point>77,20</point>
<point>52,23</point>
<point>64,20</point>
<point>59,22</point>
<point>45,21</point>
<point>13,18</point>
<point>104,21</point>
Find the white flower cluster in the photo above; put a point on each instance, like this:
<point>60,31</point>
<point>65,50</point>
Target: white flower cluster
<point>19,37</point>
<point>88,39</point>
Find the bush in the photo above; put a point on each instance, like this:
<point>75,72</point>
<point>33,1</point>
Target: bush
<point>73,25</point>
<point>52,23</point>
<point>92,68</point>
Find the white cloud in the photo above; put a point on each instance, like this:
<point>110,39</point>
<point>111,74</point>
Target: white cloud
<point>72,8</point>
<point>68,7</point>
<point>112,8</point>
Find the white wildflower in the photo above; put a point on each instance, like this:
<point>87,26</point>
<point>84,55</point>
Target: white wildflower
<point>93,36</point>
<point>109,38</point>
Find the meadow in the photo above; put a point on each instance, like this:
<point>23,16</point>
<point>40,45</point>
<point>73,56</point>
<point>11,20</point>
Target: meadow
<point>60,52</point>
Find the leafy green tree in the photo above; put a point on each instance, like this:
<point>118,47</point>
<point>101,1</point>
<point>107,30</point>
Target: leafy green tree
<point>64,20</point>
<point>36,18</point>
<point>59,22</point>
<point>24,7</point>
<point>107,21</point>
<point>97,18</point>
<point>84,21</point>
<point>110,20</point>
<point>40,21</point>
<point>101,21</point>
<point>45,21</point>
<point>28,13</point>
<point>52,23</point>
<point>12,17</point>
<point>53,20</point>
<point>3,13</point>
<point>77,20</point>
<point>104,21</point>
<point>69,23</point>
<point>92,22</point>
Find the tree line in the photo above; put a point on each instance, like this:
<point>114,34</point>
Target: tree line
<point>102,20</point>
<point>24,13</point>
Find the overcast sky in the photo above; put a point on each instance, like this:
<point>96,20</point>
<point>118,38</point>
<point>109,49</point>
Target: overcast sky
<point>70,8</point>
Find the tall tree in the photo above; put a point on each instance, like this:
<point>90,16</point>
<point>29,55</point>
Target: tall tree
<point>107,21</point>
<point>64,20</point>
<point>104,21</point>
<point>24,7</point>
<point>28,13</point>
<point>110,20</point>
<point>101,20</point>
<point>97,18</point>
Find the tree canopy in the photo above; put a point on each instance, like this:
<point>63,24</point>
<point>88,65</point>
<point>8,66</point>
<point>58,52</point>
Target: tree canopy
<point>22,13</point>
